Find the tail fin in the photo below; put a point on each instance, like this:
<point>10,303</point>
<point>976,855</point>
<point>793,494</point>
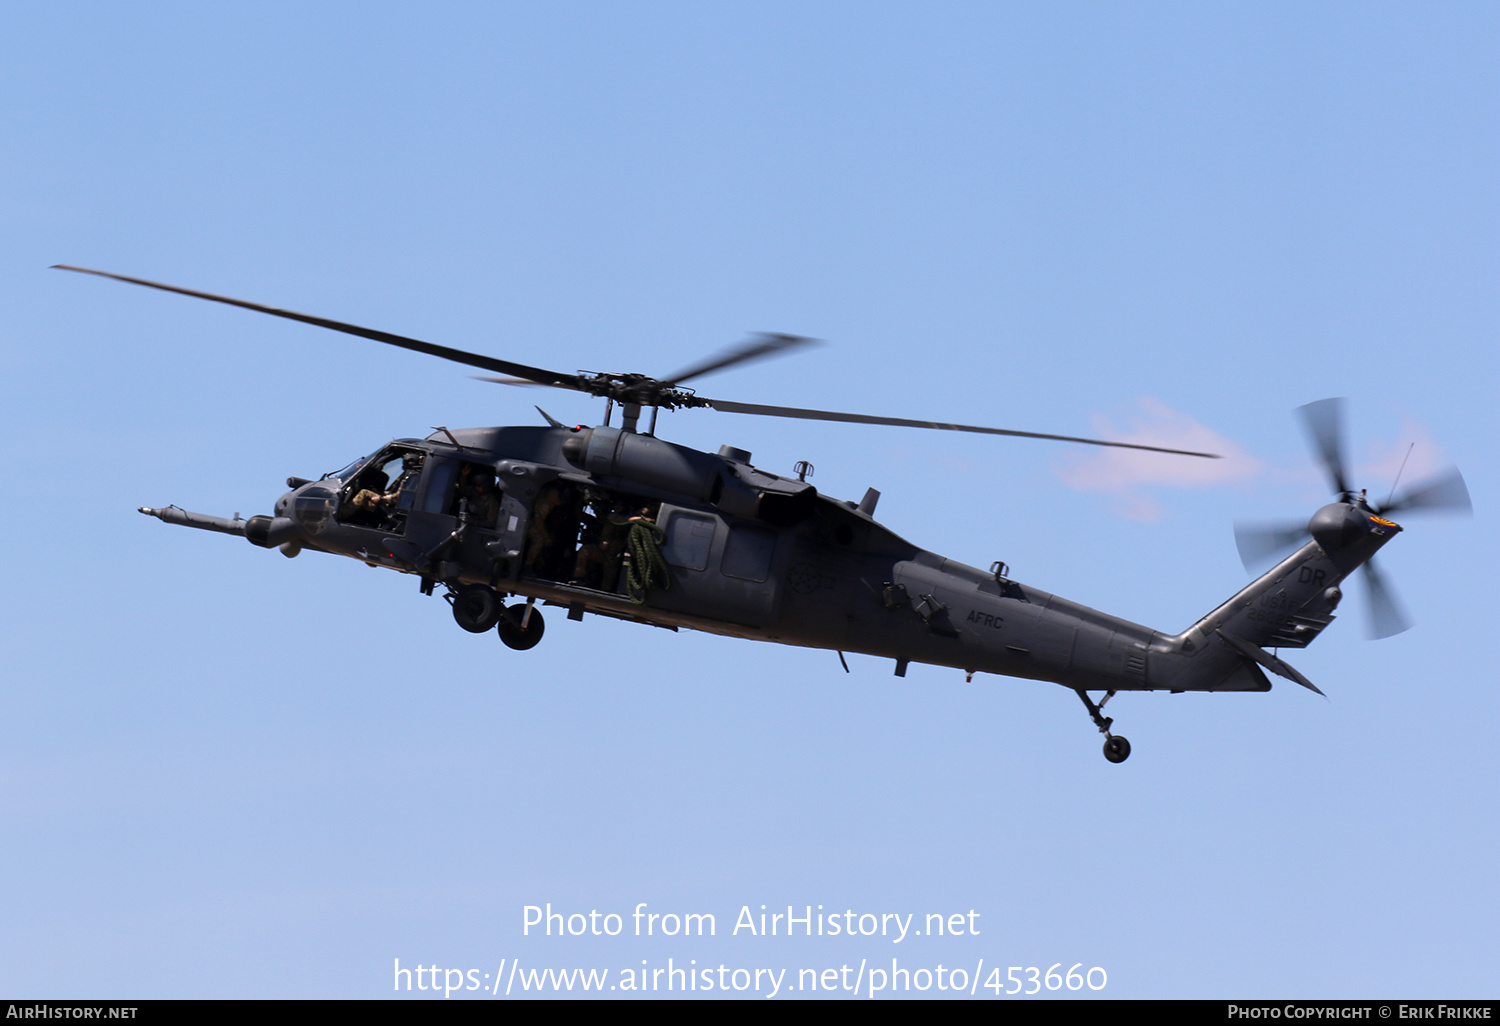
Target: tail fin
<point>1286,607</point>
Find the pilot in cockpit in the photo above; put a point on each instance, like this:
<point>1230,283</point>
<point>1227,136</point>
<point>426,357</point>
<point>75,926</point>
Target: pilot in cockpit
<point>372,499</point>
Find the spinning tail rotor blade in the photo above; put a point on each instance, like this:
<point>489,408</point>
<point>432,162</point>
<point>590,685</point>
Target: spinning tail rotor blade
<point>1445,493</point>
<point>1263,544</point>
<point>1324,421</point>
<point>1386,615</point>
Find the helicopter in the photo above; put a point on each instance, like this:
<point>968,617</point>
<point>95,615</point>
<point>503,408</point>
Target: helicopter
<point>614,521</point>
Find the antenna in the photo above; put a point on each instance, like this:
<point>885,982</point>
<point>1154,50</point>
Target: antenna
<point>1399,472</point>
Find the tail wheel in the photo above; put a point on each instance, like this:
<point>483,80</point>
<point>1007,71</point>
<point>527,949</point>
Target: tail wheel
<point>514,635</point>
<point>1116,748</point>
<point>476,608</point>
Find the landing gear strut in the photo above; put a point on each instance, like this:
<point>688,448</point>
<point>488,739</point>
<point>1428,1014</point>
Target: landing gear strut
<point>1116,748</point>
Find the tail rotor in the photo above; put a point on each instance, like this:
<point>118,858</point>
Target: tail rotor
<point>1262,543</point>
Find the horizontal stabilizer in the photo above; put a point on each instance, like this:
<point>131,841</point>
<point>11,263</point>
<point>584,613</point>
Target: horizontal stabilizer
<point>1265,659</point>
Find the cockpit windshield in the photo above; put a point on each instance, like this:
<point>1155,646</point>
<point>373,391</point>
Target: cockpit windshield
<point>347,472</point>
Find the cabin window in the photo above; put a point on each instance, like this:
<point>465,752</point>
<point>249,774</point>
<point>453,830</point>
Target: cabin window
<point>747,552</point>
<point>689,537</point>
<point>476,487</point>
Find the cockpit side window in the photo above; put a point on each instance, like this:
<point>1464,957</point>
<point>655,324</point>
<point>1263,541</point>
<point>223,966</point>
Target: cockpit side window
<point>439,486</point>
<point>383,490</point>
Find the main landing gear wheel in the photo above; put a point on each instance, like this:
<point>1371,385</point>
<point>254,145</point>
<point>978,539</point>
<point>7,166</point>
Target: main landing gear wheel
<point>1116,748</point>
<point>476,608</point>
<point>513,634</point>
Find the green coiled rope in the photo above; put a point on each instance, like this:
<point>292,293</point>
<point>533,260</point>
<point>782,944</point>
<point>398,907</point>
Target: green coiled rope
<point>648,569</point>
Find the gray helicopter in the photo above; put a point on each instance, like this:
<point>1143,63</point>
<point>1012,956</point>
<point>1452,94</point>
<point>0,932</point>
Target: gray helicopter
<point>614,521</point>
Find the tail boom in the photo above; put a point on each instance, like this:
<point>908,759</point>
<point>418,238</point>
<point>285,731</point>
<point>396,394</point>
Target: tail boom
<point>1286,607</point>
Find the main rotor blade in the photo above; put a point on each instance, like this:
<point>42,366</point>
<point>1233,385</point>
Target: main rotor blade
<point>519,382</point>
<point>1324,421</point>
<point>1261,544</point>
<point>725,406</point>
<point>1445,493</point>
<point>1386,615</point>
<point>758,346</point>
<point>537,374</point>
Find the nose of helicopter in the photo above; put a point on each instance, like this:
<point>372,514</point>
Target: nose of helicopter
<point>310,505</point>
<point>303,512</point>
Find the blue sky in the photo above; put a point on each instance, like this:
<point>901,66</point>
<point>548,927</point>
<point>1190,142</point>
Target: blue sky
<point>229,774</point>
